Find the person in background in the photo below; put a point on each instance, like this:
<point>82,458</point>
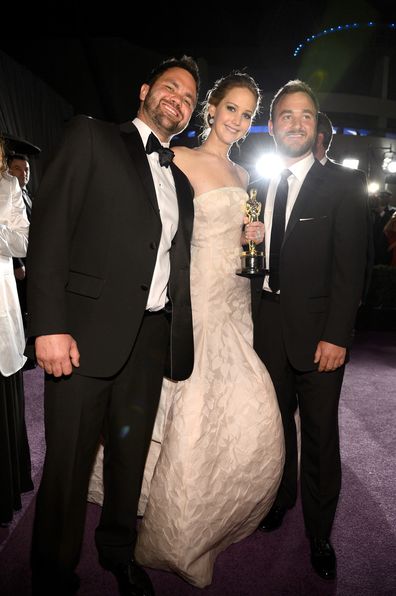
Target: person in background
<point>15,464</point>
<point>390,233</point>
<point>110,202</point>
<point>381,214</point>
<point>19,166</point>
<point>324,137</point>
<point>304,312</point>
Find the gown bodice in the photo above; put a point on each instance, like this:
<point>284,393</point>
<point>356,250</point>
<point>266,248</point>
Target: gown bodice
<point>218,218</point>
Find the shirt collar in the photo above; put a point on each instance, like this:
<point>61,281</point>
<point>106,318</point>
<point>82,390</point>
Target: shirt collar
<point>145,131</point>
<point>301,168</point>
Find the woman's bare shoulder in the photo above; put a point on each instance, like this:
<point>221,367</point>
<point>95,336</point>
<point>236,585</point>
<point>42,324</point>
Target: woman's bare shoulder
<point>243,175</point>
<point>185,158</point>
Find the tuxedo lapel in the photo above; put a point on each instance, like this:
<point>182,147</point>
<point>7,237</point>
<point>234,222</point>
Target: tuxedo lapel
<point>134,145</point>
<point>184,193</point>
<point>312,182</point>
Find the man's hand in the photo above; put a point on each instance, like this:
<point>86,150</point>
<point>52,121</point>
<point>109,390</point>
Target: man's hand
<point>57,353</point>
<point>329,356</point>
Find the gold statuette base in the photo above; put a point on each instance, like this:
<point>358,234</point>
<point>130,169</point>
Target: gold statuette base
<point>252,264</point>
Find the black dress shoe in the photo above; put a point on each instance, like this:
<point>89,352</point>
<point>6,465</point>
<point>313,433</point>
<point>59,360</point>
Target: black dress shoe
<point>51,583</point>
<point>273,520</point>
<point>132,579</point>
<point>323,558</point>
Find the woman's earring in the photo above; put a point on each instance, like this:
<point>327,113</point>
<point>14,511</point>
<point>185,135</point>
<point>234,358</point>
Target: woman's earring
<point>210,120</point>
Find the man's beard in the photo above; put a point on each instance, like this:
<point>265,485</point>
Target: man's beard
<point>163,121</point>
<point>294,150</point>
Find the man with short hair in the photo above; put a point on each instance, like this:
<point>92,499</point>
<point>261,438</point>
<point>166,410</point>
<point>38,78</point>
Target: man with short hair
<point>381,214</point>
<point>111,201</point>
<point>324,137</point>
<point>18,166</point>
<point>304,312</point>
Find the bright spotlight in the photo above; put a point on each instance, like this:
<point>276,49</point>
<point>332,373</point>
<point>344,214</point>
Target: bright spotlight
<point>389,162</point>
<point>391,167</point>
<point>351,163</point>
<point>268,165</point>
<point>373,187</point>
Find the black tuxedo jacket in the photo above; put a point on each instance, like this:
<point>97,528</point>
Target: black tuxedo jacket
<point>93,244</point>
<point>322,263</point>
<point>361,179</point>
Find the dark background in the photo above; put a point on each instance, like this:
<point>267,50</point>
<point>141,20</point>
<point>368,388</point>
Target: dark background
<point>96,59</point>
<point>83,59</point>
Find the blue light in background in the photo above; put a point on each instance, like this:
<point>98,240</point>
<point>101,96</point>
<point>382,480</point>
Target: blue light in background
<point>337,29</point>
<point>258,129</point>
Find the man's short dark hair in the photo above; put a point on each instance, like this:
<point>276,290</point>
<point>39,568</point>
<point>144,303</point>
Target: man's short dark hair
<point>295,86</point>
<point>12,156</point>
<point>185,62</point>
<point>326,128</point>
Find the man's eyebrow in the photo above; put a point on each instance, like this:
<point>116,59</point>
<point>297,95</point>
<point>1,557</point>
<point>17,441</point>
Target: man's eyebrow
<point>289,111</point>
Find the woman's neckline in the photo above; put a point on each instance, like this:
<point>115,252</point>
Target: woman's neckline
<point>221,188</point>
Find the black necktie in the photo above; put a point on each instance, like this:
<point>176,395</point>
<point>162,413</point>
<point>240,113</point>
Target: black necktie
<point>278,230</point>
<point>165,155</point>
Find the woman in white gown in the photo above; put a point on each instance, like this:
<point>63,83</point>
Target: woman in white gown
<point>221,455</point>
<point>217,452</point>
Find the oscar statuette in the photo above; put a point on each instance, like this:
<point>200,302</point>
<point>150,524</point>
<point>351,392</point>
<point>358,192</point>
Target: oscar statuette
<point>252,260</point>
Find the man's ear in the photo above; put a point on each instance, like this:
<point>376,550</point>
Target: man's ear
<point>144,89</point>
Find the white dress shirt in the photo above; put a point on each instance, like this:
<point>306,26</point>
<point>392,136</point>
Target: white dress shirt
<point>298,172</point>
<point>14,230</point>
<point>169,213</point>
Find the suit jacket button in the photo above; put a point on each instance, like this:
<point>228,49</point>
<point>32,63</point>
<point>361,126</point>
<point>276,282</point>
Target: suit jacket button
<point>153,245</point>
<point>144,287</point>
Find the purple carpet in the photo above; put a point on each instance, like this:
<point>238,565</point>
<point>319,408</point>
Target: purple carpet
<point>276,564</point>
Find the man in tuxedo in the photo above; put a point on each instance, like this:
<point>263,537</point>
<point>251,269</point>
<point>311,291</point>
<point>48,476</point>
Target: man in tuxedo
<point>110,202</point>
<point>381,213</point>
<point>18,166</point>
<point>304,311</point>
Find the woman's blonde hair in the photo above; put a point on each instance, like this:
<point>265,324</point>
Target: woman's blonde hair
<point>3,161</point>
<point>220,89</point>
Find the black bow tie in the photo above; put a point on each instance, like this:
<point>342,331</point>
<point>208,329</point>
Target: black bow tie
<point>165,155</point>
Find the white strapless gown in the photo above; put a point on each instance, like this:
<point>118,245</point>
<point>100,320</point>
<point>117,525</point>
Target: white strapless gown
<point>217,453</point>
<point>221,458</point>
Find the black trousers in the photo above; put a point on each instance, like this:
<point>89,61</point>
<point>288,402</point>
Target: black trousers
<point>78,410</point>
<point>317,396</point>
